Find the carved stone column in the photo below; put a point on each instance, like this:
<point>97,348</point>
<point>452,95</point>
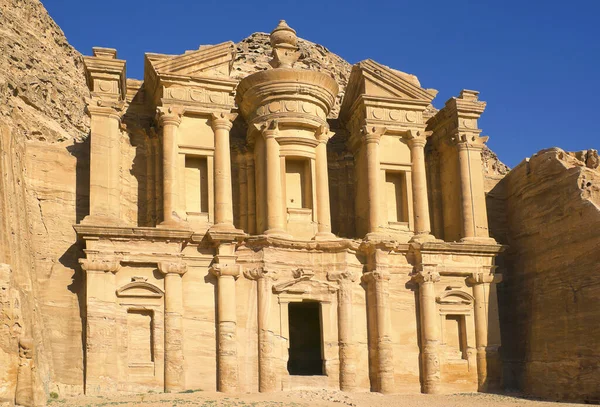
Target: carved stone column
<point>101,367</point>
<point>275,216</point>
<point>105,77</point>
<point>221,124</point>
<point>377,280</point>
<point>170,118</point>
<point>474,212</point>
<point>226,272</point>
<point>372,136</point>
<point>416,142</point>
<point>487,330</point>
<point>105,158</point>
<point>430,329</point>
<point>267,377</point>
<point>251,193</point>
<point>345,329</point>
<point>174,374</point>
<point>323,208</point>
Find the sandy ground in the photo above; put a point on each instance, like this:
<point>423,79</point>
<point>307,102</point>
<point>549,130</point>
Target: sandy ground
<point>309,398</point>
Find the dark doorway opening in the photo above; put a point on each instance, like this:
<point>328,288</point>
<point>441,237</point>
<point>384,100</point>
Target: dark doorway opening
<point>305,358</point>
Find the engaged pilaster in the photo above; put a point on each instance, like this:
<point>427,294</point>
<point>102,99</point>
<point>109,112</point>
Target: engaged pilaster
<point>101,363</point>
<point>106,80</point>
<point>416,143</point>
<point>323,208</point>
<point>174,374</point>
<point>430,329</point>
<point>227,271</point>
<point>267,377</point>
<point>169,119</point>
<point>345,329</point>
<point>487,329</point>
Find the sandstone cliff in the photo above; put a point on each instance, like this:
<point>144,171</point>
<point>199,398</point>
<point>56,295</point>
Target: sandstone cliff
<point>549,299</point>
<point>41,117</point>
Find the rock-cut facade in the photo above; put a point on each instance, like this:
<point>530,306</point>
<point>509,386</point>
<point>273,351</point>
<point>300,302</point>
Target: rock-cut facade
<point>289,233</point>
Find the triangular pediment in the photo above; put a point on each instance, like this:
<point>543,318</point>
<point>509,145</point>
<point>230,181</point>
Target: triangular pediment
<point>373,80</point>
<point>380,80</point>
<point>209,60</point>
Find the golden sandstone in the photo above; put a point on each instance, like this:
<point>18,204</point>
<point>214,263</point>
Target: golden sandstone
<point>295,304</point>
<point>239,225</point>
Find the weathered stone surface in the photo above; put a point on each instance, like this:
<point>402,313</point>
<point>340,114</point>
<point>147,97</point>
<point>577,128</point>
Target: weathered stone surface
<point>548,300</point>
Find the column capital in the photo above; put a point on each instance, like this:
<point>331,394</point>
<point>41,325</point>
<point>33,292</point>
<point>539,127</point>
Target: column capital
<point>375,276</point>
<point>373,134</point>
<point>259,273</point>
<point>484,277</point>
<point>225,270</point>
<point>97,106</point>
<point>418,138</point>
<point>268,129</point>
<point>322,134</point>
<point>345,275</point>
<point>112,265</point>
<point>223,120</point>
<point>172,267</point>
<point>426,273</point>
<point>470,141</point>
<point>169,115</point>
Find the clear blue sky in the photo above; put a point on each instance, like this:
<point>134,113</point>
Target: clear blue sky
<point>535,62</point>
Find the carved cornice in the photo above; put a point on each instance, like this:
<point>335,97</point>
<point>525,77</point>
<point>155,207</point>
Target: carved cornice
<point>107,266</point>
<point>172,267</point>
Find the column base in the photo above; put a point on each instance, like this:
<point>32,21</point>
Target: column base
<point>279,233</point>
<point>377,236</point>
<point>479,240</point>
<point>423,237</point>
<point>174,224</point>
<point>225,232</point>
<point>102,220</point>
<point>325,236</point>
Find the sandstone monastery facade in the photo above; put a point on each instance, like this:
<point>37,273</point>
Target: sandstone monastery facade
<point>249,269</point>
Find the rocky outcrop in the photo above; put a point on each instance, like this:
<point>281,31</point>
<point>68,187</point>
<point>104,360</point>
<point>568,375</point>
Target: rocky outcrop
<point>42,124</point>
<point>549,299</point>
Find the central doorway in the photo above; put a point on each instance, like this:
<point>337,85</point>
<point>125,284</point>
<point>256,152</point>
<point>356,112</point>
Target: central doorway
<point>305,357</point>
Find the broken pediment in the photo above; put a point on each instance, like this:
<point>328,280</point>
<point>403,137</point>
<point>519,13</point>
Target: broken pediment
<point>139,287</point>
<point>208,60</point>
<point>304,284</point>
<point>373,79</point>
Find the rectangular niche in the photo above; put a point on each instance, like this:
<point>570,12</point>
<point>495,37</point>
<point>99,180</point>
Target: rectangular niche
<point>196,185</point>
<point>396,197</point>
<point>455,333</point>
<point>298,191</point>
<point>140,340</point>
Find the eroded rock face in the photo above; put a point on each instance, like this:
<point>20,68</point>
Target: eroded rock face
<point>552,275</point>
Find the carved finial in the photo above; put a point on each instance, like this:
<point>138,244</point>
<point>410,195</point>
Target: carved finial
<point>284,42</point>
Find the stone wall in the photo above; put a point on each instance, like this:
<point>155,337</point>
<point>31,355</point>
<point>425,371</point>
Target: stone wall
<point>549,299</point>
